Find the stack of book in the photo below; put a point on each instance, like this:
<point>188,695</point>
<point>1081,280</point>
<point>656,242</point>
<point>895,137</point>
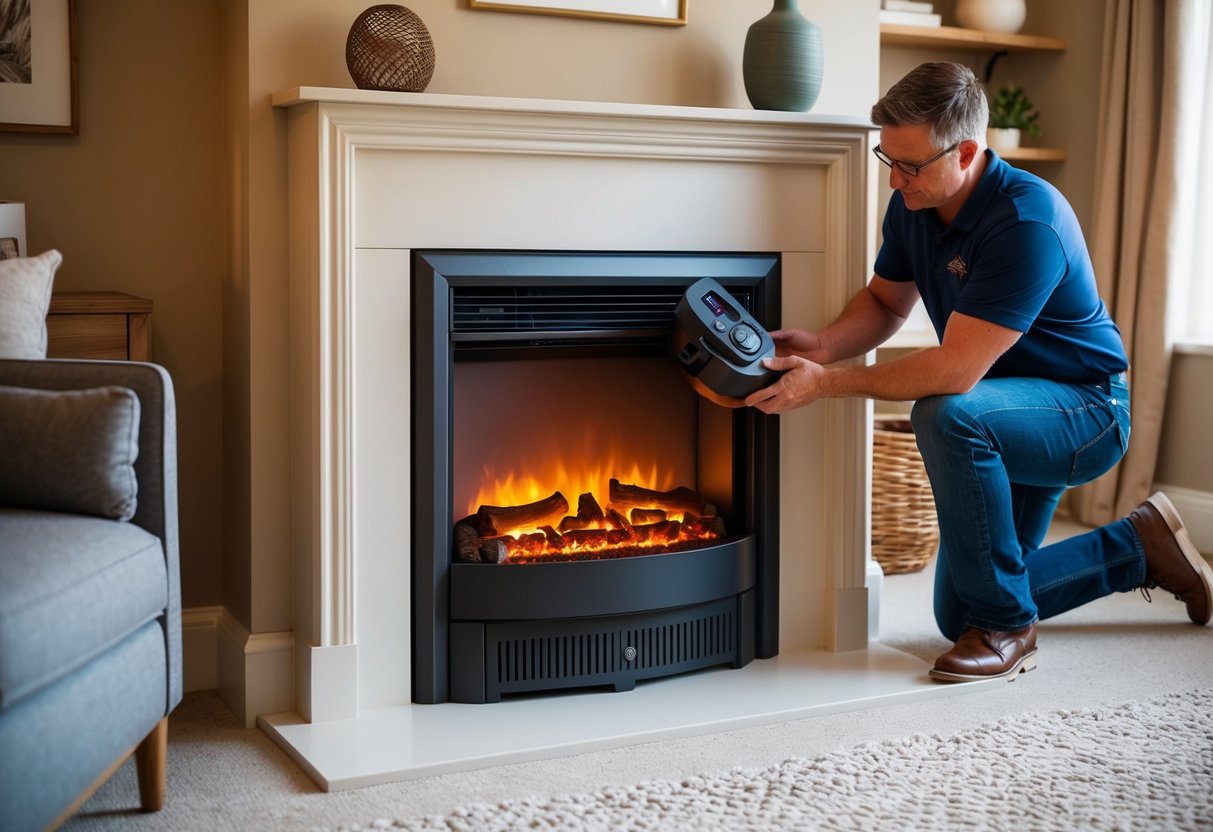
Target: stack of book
<point>908,13</point>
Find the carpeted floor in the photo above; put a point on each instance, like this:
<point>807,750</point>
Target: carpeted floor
<point>1115,659</point>
<point>1144,765</point>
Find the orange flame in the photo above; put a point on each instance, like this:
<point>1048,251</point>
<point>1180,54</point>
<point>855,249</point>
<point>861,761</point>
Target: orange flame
<point>670,531</point>
<point>517,489</point>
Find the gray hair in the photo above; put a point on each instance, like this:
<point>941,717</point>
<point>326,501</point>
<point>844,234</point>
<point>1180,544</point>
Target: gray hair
<point>946,96</point>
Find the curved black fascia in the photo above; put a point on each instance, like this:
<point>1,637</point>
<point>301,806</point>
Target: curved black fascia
<point>612,586</point>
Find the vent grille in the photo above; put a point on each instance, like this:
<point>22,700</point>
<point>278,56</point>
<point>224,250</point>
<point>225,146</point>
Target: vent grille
<point>521,658</point>
<point>686,641</point>
<point>560,657</point>
<point>495,309</point>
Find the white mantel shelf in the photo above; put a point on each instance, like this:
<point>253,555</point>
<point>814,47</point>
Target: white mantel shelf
<point>441,101</point>
<point>376,175</point>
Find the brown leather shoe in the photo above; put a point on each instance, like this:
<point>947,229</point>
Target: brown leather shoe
<point>1172,561</point>
<point>981,654</point>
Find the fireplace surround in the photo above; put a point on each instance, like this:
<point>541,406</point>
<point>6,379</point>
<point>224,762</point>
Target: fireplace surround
<point>375,176</point>
<point>567,345</point>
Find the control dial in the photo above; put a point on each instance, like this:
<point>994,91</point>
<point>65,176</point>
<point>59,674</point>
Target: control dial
<point>745,338</point>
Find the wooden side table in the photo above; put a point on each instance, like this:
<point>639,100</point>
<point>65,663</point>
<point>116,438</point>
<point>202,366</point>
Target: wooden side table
<point>110,325</point>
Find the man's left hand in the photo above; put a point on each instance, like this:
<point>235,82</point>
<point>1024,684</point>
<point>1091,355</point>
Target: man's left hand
<point>799,385</point>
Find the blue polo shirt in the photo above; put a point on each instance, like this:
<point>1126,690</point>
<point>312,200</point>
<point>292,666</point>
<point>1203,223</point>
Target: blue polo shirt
<point>1014,256</point>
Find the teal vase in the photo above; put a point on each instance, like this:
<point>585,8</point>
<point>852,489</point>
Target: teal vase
<point>782,61</point>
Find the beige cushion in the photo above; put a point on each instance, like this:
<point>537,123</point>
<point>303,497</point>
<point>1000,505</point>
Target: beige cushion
<point>70,450</point>
<point>25,295</point>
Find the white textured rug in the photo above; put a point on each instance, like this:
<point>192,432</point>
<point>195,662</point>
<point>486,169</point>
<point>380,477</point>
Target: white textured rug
<point>1144,765</point>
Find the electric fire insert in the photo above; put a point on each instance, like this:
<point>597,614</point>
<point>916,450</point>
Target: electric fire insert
<point>659,554</point>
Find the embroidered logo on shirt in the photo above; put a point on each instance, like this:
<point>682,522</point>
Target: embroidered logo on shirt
<point>958,267</point>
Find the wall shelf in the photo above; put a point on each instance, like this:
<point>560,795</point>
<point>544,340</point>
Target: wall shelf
<point>955,38</point>
<point>1033,154</point>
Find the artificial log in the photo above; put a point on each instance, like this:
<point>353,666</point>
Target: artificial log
<point>467,543</point>
<point>712,526</point>
<point>681,499</point>
<point>554,538</point>
<point>588,508</point>
<point>471,547</point>
<point>573,524</point>
<point>617,520</point>
<point>665,530</point>
<point>494,549</point>
<point>618,537</point>
<point>640,516</point>
<point>589,515</point>
<point>492,520</point>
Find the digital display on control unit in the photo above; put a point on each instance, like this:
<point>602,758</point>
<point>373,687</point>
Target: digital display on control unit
<point>714,303</point>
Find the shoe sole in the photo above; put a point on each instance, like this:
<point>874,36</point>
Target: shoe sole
<point>1024,665</point>
<point>1196,560</point>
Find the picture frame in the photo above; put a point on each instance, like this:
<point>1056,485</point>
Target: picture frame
<point>662,12</point>
<point>12,229</point>
<point>39,94</point>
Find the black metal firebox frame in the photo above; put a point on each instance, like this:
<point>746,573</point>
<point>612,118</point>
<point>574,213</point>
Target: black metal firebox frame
<point>531,627</point>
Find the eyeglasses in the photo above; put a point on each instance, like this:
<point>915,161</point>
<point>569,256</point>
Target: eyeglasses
<point>909,168</point>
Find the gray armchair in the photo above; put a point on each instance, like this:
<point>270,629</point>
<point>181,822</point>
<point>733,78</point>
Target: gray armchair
<point>90,606</point>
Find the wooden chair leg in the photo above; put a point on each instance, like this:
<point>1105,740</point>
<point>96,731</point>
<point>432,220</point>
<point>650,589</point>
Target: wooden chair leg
<point>151,766</point>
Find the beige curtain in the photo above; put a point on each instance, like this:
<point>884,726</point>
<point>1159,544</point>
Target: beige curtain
<point>1139,201</point>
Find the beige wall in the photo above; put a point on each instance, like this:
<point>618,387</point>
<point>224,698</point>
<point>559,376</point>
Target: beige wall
<point>1186,456</point>
<point>134,204</point>
<point>237,485</point>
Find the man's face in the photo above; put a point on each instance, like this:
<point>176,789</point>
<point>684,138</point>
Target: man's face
<point>935,185</point>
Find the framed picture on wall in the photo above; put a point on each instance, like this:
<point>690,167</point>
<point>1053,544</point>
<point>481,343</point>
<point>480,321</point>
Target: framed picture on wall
<point>668,12</point>
<point>38,66</point>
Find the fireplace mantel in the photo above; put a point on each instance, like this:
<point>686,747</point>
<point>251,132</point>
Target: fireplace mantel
<point>374,175</point>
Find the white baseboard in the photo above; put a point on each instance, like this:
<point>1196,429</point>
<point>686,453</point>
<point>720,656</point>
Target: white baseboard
<point>200,647</point>
<point>1196,508</point>
<point>256,670</point>
<point>253,672</point>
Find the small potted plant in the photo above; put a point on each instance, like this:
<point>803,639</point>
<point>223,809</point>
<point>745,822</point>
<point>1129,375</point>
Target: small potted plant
<point>1012,114</point>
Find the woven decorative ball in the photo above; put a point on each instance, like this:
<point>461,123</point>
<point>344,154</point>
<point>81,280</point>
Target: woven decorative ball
<point>905,530</point>
<point>389,48</point>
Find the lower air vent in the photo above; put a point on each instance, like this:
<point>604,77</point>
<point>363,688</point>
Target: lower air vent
<point>616,650</point>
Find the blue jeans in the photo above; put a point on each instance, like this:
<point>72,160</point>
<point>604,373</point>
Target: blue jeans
<point>999,458</point>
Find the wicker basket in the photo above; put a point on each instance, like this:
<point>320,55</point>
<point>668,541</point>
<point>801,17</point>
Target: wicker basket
<point>905,531</point>
<point>389,48</point>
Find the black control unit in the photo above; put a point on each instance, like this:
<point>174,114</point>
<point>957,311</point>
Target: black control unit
<point>719,345</point>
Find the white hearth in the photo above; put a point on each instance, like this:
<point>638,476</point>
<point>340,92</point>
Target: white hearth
<point>375,175</point>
